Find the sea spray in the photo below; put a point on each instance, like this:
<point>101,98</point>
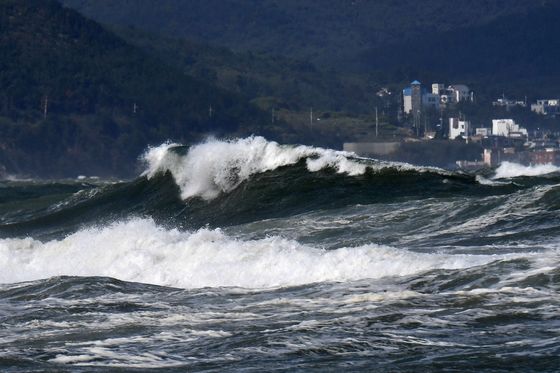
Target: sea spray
<point>218,166</point>
<point>508,170</point>
<point>140,251</point>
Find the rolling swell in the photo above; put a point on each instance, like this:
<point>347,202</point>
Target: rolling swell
<point>157,197</point>
<point>223,183</point>
<point>282,192</point>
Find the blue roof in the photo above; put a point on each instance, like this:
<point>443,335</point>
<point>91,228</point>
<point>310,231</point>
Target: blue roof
<point>416,82</point>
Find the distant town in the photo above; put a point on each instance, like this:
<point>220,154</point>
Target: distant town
<point>501,140</point>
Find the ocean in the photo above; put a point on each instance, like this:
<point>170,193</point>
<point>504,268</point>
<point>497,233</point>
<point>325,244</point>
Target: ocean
<point>244,255</point>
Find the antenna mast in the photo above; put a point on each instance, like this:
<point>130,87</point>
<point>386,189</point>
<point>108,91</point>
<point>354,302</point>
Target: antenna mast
<point>46,107</point>
<point>376,123</point>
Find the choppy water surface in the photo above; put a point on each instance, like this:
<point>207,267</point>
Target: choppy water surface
<point>250,256</point>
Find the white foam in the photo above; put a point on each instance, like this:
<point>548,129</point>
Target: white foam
<point>140,251</point>
<point>484,181</point>
<point>218,166</point>
<point>508,170</point>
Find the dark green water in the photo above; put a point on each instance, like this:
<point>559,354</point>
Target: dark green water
<point>248,256</point>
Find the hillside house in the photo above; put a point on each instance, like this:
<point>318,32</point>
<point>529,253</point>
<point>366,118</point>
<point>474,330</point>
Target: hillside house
<point>550,107</point>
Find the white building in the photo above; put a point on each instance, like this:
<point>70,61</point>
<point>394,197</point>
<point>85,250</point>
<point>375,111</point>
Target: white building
<point>437,88</point>
<point>546,107</point>
<point>416,97</point>
<point>485,132</point>
<point>458,128</point>
<point>407,102</point>
<point>507,128</point>
<point>459,92</point>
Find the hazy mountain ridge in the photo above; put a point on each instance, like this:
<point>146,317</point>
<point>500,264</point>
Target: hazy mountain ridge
<point>494,46</point>
<point>517,54</point>
<point>327,32</point>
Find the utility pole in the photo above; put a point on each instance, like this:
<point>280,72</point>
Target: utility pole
<point>273,115</point>
<point>311,117</point>
<point>210,112</point>
<point>376,123</point>
<point>467,130</point>
<point>134,108</point>
<point>417,123</point>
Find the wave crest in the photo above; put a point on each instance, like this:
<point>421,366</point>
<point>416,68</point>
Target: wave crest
<point>509,170</point>
<point>218,166</point>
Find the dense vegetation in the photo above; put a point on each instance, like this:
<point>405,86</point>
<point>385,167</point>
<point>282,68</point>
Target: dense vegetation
<point>106,99</point>
<point>326,32</point>
<point>268,81</point>
<point>496,45</point>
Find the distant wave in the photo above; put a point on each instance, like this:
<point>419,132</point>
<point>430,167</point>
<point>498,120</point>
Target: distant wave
<point>218,166</point>
<point>140,251</point>
<point>508,170</point>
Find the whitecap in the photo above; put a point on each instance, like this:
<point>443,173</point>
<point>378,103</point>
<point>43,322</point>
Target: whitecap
<point>140,251</point>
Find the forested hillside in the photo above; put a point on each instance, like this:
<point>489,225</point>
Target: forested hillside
<point>326,32</point>
<point>268,81</point>
<point>495,46</point>
<point>73,96</point>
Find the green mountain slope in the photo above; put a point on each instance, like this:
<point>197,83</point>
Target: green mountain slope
<point>106,99</point>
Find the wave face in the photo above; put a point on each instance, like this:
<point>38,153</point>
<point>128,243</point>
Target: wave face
<point>259,256</point>
<point>220,166</point>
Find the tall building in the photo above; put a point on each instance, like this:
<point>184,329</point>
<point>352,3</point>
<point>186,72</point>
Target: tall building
<point>507,128</point>
<point>416,99</point>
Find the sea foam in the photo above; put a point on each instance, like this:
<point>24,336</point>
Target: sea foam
<point>508,170</point>
<point>218,166</point>
<point>140,251</point>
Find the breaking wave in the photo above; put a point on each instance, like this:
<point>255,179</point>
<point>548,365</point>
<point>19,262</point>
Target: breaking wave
<point>140,251</point>
<point>508,170</point>
<point>216,166</point>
